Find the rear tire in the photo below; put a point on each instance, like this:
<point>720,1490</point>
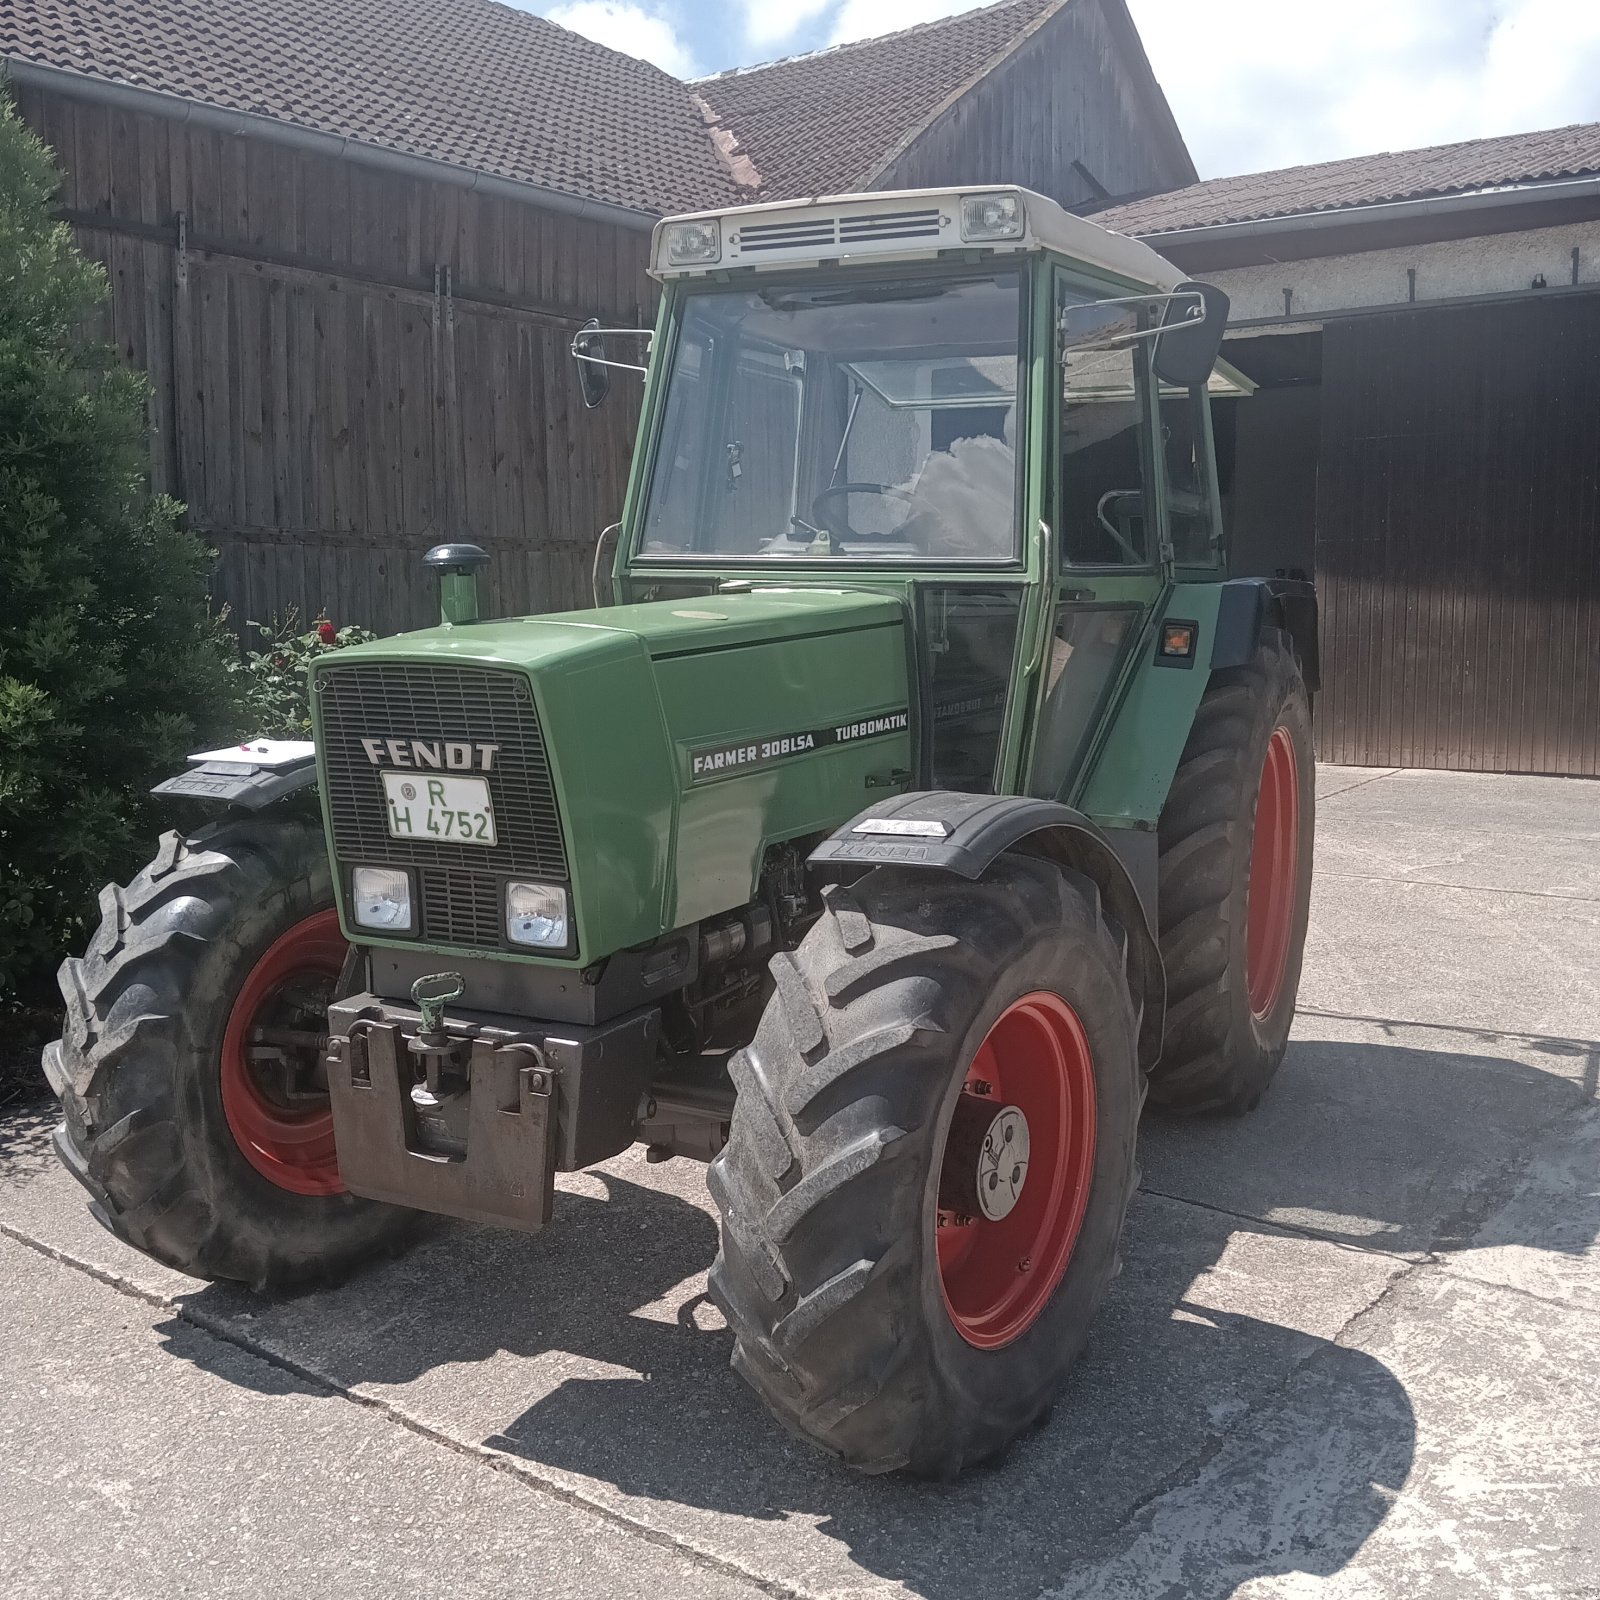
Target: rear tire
<point>201,945</point>
<point>1235,885</point>
<point>861,1333</point>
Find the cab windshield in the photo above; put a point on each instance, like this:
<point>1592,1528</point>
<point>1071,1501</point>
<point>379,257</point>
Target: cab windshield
<point>868,422</point>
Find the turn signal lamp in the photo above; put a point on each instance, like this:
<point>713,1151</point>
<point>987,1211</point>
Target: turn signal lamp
<point>690,244</point>
<point>986,217</point>
<point>1178,640</point>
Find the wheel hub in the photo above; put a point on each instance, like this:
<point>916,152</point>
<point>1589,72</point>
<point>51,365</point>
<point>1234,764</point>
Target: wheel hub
<point>986,1159</point>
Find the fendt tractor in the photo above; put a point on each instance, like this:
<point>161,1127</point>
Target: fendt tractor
<point>922,792</point>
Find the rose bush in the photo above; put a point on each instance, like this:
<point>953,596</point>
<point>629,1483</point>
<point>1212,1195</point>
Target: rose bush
<point>271,673</point>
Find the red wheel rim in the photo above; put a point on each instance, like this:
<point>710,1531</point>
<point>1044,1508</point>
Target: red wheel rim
<point>996,1277</point>
<point>1274,875</point>
<point>291,1146</point>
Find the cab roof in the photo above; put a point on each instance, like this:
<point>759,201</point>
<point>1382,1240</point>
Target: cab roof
<point>902,225</point>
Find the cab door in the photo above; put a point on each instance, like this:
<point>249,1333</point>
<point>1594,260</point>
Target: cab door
<point>1111,549</point>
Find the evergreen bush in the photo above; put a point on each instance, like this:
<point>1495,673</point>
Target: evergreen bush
<point>111,667</point>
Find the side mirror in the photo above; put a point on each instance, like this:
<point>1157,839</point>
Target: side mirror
<point>1190,339</point>
<point>589,351</point>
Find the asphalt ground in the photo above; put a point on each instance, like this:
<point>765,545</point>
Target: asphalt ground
<point>1355,1350</point>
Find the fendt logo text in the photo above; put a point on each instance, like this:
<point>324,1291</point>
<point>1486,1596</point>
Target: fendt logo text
<point>442,755</point>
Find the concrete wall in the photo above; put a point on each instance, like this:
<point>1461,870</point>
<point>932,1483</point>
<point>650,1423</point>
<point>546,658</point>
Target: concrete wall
<point>1454,269</point>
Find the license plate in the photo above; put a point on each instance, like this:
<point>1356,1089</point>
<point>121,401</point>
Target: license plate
<point>451,810</point>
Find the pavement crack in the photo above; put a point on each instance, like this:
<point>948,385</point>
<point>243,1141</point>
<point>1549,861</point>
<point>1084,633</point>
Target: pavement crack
<point>1464,888</point>
<point>1493,1286</point>
<point>1298,1229</point>
<point>496,1461</point>
<point>1350,788</point>
<point>1488,1034</point>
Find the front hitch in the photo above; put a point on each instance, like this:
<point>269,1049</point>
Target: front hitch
<point>472,1115</point>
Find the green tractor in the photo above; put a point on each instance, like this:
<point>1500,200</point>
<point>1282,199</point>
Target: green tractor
<point>921,794</point>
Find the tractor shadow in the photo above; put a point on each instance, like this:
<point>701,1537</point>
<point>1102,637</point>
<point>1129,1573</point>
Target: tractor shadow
<point>1206,1437</point>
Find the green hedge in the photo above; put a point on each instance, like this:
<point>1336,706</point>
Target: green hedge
<point>111,668</point>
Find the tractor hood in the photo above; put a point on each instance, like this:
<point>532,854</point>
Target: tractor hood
<point>644,755</point>
<point>663,627</point>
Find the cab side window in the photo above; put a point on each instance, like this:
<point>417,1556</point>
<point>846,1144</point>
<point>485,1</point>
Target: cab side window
<point>1105,515</point>
<point>1186,451</point>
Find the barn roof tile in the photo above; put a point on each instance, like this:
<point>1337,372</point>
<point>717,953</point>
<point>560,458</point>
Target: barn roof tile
<point>469,82</point>
<point>1476,165</point>
<point>822,123</point>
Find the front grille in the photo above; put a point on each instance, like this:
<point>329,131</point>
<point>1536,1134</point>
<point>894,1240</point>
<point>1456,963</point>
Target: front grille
<point>459,885</point>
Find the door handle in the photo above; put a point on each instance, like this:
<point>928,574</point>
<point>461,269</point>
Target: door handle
<point>1046,578</point>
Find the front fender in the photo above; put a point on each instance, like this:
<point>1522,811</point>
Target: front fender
<point>938,831</point>
<point>250,776</point>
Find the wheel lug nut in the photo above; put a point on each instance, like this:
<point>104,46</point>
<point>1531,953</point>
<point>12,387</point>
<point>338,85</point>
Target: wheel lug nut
<point>1025,1264</point>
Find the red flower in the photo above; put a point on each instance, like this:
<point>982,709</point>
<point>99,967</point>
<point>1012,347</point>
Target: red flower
<point>327,633</point>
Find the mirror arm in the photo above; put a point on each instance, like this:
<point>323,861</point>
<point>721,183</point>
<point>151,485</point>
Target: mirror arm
<point>579,353</point>
<point>1122,340</point>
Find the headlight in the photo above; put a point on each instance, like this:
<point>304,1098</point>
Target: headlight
<point>536,914</point>
<point>992,216</point>
<point>382,899</point>
<point>692,243</point>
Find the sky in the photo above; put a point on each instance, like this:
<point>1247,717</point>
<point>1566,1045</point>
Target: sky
<point>1255,84</point>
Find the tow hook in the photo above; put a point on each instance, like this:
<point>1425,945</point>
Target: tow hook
<point>440,1058</point>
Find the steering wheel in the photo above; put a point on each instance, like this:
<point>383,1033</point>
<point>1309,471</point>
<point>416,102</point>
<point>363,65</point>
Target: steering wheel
<point>886,491</point>
<point>1114,498</point>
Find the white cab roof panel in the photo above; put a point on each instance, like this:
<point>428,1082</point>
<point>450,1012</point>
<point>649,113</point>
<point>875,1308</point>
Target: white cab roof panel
<point>902,225</point>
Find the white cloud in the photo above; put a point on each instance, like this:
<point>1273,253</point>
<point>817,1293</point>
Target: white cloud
<point>632,29</point>
<point>771,24</point>
<point>1256,84</point>
<point>865,19</point>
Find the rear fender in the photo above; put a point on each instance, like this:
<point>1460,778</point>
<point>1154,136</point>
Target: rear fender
<point>1246,605</point>
<point>249,776</point>
<point>964,834</point>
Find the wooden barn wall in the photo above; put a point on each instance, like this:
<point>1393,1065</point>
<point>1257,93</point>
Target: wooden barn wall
<point>1458,539</point>
<point>1065,95</point>
<point>348,366</point>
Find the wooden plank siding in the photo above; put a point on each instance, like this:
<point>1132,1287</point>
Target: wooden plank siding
<point>349,365</point>
<point>1065,95</point>
<point>1458,539</point>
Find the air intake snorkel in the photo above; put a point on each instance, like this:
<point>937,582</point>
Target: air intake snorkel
<point>457,567</point>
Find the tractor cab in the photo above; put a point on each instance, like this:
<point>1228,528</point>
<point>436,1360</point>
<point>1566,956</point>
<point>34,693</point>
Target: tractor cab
<point>975,402</point>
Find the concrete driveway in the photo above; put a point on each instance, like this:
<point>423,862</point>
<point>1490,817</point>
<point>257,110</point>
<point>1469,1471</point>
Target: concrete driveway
<point>1355,1350</point>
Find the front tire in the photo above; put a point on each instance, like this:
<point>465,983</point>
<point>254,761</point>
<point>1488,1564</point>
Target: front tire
<point>191,1113</point>
<point>914,1019</point>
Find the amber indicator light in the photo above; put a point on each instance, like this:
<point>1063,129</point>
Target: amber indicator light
<point>1177,639</point>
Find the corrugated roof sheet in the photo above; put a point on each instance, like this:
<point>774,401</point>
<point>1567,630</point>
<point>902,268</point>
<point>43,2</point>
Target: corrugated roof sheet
<point>469,82</point>
<point>821,123</point>
<point>1476,164</point>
